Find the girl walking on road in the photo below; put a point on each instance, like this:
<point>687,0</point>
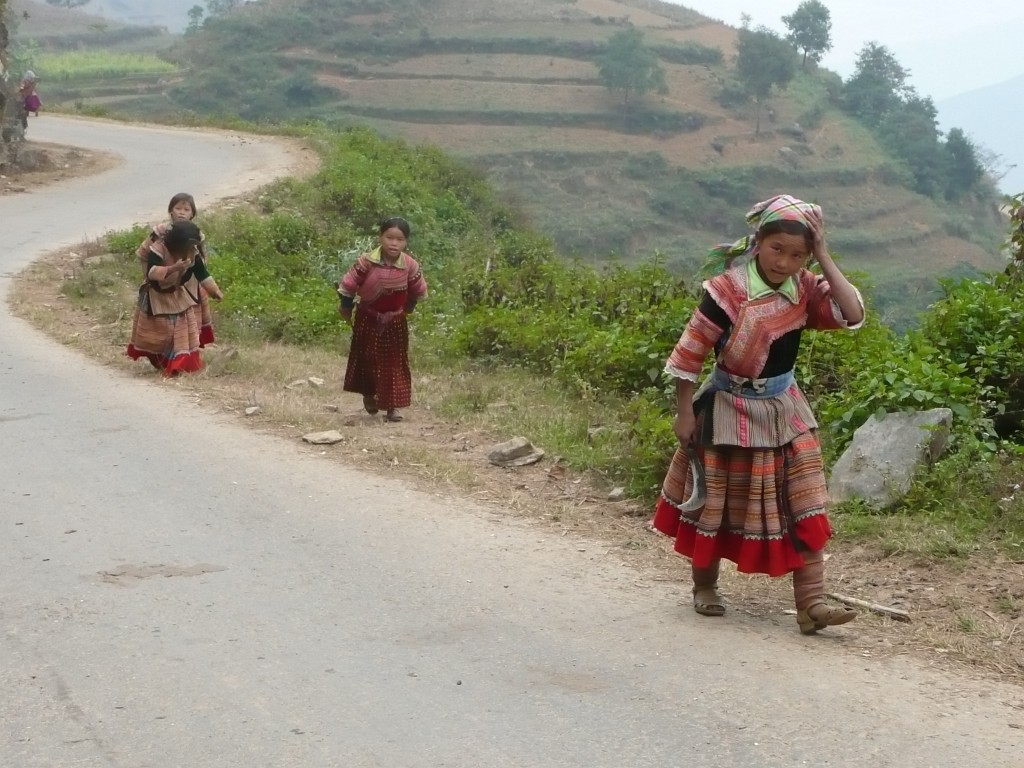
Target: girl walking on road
<point>165,329</point>
<point>182,208</point>
<point>377,294</point>
<point>749,426</point>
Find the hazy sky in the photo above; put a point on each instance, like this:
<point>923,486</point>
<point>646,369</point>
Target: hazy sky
<point>949,46</point>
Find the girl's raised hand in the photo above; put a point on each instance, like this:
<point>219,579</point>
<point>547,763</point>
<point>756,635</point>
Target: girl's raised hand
<point>816,223</point>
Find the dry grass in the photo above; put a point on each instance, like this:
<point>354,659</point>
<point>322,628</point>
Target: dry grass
<point>455,65</point>
<point>635,16</point>
<point>471,95</point>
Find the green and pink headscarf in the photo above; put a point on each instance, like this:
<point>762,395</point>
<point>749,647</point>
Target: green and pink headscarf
<point>778,208</point>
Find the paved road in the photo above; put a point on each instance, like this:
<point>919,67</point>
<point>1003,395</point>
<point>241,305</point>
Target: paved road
<point>178,591</point>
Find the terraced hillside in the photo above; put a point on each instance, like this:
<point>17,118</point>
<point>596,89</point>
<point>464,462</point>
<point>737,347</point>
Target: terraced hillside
<point>514,87</point>
<point>50,33</point>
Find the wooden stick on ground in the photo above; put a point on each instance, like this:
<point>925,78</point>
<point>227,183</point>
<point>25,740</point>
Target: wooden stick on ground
<point>885,610</point>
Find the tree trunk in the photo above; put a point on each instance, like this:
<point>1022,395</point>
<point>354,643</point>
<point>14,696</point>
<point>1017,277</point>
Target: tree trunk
<point>7,93</point>
<point>10,112</point>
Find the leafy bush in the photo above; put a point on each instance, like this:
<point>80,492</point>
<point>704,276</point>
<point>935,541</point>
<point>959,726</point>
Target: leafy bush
<point>980,325</point>
<point>690,52</point>
<point>736,186</point>
<point>733,94</point>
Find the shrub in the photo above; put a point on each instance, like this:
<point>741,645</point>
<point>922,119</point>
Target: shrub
<point>733,94</point>
<point>690,52</point>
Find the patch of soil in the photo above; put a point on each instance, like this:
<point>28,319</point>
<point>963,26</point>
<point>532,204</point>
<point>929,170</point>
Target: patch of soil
<point>42,163</point>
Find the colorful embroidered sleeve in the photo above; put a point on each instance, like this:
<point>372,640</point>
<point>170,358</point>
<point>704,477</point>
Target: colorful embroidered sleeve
<point>698,339</point>
<point>823,313</point>
<point>353,279</point>
<point>155,234</point>
<point>417,283</point>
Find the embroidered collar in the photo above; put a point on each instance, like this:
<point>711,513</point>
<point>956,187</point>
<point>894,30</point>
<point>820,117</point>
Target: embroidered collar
<point>757,288</point>
<point>376,257</point>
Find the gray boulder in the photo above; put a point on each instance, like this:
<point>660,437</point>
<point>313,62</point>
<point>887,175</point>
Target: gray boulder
<point>887,454</point>
<point>517,452</point>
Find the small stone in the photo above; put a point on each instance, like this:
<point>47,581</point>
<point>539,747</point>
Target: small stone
<point>516,452</point>
<point>617,494</point>
<point>331,408</point>
<point>252,410</point>
<point>330,437</point>
<point>315,381</point>
<point>297,384</point>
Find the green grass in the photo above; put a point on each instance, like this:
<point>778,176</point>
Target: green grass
<point>1009,605</point>
<point>967,624</point>
<point>90,64</point>
<point>507,401</point>
<point>952,512</point>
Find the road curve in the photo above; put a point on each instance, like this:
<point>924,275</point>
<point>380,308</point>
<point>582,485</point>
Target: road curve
<point>177,590</point>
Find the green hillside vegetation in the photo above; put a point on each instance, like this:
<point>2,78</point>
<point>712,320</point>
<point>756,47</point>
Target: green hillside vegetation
<point>516,89</point>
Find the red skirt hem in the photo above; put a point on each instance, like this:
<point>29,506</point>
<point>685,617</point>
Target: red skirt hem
<point>189,362</point>
<point>770,556</point>
<point>137,354</point>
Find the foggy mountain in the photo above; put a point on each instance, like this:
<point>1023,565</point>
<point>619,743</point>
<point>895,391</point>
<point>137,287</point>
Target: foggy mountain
<point>147,13</point>
<point>991,117</point>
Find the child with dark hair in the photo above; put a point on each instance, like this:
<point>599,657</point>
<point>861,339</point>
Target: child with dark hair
<point>747,483</point>
<point>165,329</point>
<point>377,294</point>
<point>182,208</point>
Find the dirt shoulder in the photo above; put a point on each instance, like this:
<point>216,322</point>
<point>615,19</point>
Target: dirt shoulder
<point>964,614</point>
<point>46,164</point>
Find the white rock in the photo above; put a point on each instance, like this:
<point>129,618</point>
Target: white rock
<point>517,452</point>
<point>329,437</point>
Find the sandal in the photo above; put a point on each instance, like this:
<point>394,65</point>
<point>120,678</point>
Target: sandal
<point>370,404</point>
<point>707,601</point>
<point>393,415</point>
<point>819,616</point>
